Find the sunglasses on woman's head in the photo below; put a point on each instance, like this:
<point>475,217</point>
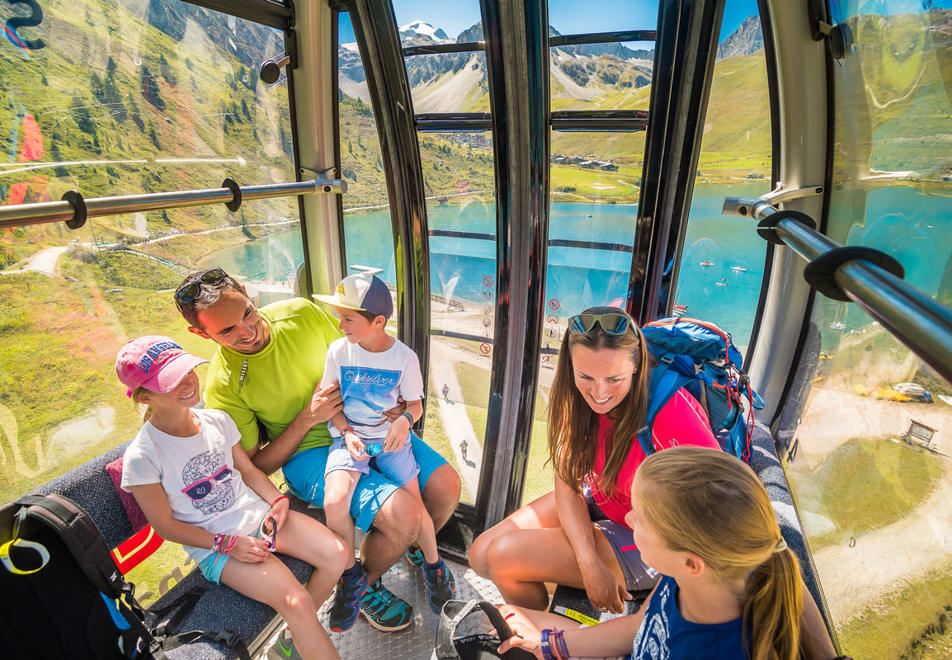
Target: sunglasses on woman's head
<point>614,323</point>
<point>190,292</point>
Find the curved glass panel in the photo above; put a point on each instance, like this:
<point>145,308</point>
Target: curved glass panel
<point>873,486</point>
<point>722,260</point>
<point>461,217</point>
<point>568,17</point>
<point>449,82</point>
<point>130,98</point>
<point>591,234</point>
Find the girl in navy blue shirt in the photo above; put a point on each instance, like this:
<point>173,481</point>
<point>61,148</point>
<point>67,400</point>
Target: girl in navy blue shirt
<point>730,588</point>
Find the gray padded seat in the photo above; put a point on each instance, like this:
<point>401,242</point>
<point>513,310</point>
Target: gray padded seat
<point>220,607</point>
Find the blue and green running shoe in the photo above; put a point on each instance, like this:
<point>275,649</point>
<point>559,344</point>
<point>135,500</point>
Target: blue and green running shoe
<point>383,610</point>
<point>440,585</point>
<point>345,609</point>
<point>416,559</point>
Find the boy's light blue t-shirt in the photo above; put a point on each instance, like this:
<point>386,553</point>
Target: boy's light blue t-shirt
<point>371,383</point>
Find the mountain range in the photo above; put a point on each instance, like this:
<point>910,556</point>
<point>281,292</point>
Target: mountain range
<point>457,82</point>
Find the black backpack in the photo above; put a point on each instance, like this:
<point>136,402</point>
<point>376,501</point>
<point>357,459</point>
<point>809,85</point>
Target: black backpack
<point>64,597</point>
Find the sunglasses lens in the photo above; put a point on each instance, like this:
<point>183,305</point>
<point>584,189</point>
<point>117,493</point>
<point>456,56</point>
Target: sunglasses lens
<point>214,276</point>
<point>614,324</point>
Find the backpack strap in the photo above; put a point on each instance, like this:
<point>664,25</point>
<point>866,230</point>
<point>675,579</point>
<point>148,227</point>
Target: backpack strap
<point>226,637</point>
<point>179,607</point>
<point>77,530</point>
<point>663,385</point>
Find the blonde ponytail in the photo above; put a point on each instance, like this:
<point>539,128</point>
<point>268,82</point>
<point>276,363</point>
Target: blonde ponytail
<point>136,396</point>
<point>772,608</point>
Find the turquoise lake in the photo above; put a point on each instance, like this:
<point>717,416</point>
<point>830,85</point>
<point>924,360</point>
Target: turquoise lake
<point>721,270</point>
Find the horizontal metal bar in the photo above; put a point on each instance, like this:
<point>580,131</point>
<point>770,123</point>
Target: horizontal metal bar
<point>443,122</point>
<point>599,120</point>
<point>554,242</point>
<point>602,37</point>
<point>450,233</point>
<point>278,15</point>
<point>915,318</point>
<point>43,212</point>
<point>590,245</point>
<point>442,49</point>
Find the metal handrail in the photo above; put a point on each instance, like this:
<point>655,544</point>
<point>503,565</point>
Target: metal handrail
<point>74,209</point>
<point>915,318</point>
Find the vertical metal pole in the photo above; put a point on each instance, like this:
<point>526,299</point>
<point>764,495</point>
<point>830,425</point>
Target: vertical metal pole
<point>684,64</point>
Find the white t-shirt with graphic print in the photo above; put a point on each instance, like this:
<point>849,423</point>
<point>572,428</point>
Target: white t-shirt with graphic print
<point>371,382</point>
<point>199,476</point>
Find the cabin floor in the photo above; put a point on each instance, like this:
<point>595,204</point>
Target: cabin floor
<point>418,640</point>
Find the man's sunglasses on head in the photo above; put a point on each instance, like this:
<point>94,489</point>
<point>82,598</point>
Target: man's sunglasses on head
<point>190,291</point>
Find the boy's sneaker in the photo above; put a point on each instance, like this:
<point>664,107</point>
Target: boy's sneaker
<point>346,605</point>
<point>383,610</point>
<point>416,559</point>
<point>440,585</point>
<point>283,648</point>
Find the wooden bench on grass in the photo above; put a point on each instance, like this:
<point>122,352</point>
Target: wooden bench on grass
<point>919,434</point>
<point>219,607</point>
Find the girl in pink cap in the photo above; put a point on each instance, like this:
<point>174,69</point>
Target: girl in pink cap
<point>197,487</point>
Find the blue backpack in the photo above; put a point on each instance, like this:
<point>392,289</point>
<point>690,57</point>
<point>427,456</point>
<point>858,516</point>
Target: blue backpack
<point>701,358</point>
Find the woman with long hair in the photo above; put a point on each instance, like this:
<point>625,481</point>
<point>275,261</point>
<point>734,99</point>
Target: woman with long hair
<point>598,403</point>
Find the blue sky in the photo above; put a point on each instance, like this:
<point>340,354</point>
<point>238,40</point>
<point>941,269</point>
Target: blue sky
<point>566,16</point>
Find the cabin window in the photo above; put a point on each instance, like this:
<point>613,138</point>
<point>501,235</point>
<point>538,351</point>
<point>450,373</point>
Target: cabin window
<point>871,486</point>
<point>722,259</point>
<point>461,219</point>
<point>368,234</point>
<point>133,98</point>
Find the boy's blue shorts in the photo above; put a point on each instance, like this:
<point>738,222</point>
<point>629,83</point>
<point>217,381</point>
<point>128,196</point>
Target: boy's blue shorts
<point>398,466</point>
<point>305,476</point>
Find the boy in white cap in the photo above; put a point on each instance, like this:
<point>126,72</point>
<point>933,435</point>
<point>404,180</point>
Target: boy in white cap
<point>373,370</point>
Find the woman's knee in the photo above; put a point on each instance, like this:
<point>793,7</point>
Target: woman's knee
<point>504,555</point>
<point>478,551</point>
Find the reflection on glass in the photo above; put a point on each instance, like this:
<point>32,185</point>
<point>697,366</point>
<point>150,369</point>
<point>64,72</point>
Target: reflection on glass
<point>142,97</point>
<point>722,261</point>
<point>461,218</point>
<point>871,473</point>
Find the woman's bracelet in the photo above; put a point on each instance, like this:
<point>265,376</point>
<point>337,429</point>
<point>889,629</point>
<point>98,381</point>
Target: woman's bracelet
<point>217,541</point>
<point>279,498</point>
<point>344,431</point>
<point>408,416</point>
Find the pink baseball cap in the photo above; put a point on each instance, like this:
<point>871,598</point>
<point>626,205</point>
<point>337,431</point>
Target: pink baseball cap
<point>154,362</point>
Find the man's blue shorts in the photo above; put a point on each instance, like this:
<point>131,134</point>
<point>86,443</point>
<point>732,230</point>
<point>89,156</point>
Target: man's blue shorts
<point>305,476</point>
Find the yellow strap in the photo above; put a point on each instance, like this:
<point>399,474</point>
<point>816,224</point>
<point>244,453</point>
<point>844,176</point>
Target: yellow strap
<point>577,616</point>
<point>23,543</point>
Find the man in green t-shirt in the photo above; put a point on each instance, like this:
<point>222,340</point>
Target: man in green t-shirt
<point>267,372</point>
